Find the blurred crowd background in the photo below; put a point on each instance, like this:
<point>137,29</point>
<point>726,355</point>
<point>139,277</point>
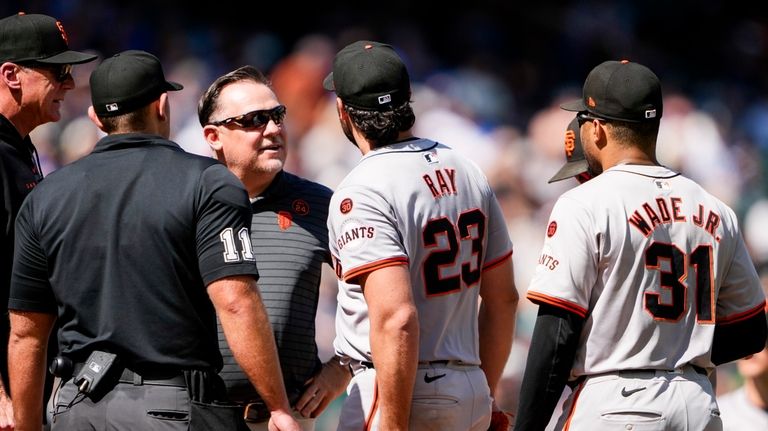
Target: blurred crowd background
<point>487,80</point>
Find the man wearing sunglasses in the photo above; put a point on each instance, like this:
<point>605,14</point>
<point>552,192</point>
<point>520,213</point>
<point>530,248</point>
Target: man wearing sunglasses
<point>644,283</point>
<point>134,250</point>
<point>243,123</point>
<point>35,66</point>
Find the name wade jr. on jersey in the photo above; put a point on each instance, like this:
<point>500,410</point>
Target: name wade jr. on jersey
<point>667,210</point>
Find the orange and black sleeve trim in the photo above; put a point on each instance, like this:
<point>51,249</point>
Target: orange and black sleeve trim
<point>351,275</point>
<point>540,298</point>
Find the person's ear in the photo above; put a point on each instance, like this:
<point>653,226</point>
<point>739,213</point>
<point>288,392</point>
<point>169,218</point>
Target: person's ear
<point>163,107</point>
<point>211,135</point>
<point>92,115</point>
<point>9,73</point>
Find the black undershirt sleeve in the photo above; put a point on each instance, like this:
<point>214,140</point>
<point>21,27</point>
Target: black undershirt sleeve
<point>550,359</point>
<point>737,340</point>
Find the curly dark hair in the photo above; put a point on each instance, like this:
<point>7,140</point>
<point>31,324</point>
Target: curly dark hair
<point>381,128</point>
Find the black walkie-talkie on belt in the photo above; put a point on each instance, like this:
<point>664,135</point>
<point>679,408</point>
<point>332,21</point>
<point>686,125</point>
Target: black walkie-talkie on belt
<point>95,368</point>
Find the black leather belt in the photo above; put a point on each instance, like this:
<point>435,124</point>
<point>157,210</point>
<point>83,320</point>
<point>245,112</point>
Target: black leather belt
<point>155,379</point>
<point>129,376</point>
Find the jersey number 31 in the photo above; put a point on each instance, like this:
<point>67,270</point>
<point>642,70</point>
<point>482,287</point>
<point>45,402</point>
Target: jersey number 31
<point>672,279</point>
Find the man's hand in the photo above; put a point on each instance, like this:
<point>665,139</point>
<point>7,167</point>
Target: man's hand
<point>323,388</point>
<point>6,411</point>
<point>500,420</point>
<point>282,421</point>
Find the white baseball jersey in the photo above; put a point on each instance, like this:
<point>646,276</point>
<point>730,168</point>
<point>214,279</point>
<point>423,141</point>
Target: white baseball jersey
<point>652,261</point>
<point>417,203</point>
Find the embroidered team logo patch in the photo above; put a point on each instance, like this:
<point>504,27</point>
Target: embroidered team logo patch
<point>300,207</point>
<point>551,229</point>
<point>346,206</point>
<point>284,220</point>
<point>354,235</point>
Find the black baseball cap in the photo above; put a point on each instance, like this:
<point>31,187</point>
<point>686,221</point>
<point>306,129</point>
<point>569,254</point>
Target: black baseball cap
<point>37,38</point>
<point>128,81</point>
<point>620,90</point>
<point>369,75</point>
<point>574,154</point>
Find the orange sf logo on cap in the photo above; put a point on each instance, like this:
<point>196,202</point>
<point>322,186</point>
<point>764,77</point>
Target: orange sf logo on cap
<point>570,142</point>
<point>591,102</point>
<point>63,33</point>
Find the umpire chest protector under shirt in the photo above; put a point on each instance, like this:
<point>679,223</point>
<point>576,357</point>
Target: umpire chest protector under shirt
<point>130,237</point>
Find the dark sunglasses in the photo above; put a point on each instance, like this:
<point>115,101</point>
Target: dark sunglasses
<point>584,117</point>
<point>255,119</point>
<point>61,72</point>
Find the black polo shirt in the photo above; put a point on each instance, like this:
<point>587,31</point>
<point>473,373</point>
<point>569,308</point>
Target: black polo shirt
<point>290,238</point>
<point>19,174</point>
<point>123,243</point>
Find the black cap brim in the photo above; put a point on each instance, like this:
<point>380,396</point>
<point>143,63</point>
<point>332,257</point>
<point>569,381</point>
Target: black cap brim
<point>173,86</point>
<point>570,169</point>
<point>575,106</point>
<point>68,57</point>
<point>328,82</point>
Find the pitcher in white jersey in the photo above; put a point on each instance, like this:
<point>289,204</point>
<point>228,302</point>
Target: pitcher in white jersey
<point>644,283</point>
<point>418,239</point>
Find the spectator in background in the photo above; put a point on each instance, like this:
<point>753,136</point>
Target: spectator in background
<point>35,66</point>
<point>243,123</point>
<point>746,408</point>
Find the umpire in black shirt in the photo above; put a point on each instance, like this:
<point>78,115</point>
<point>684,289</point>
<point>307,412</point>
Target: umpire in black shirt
<point>134,249</point>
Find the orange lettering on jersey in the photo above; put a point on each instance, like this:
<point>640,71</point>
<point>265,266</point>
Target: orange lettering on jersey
<point>452,178</point>
<point>707,220</point>
<point>713,221</point>
<point>639,222</point>
<point>698,219</point>
<point>354,233</point>
<point>337,268</point>
<point>431,186</point>
<point>663,210</point>
<point>676,202</point>
<point>548,261</point>
<point>446,187</point>
<point>655,221</point>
